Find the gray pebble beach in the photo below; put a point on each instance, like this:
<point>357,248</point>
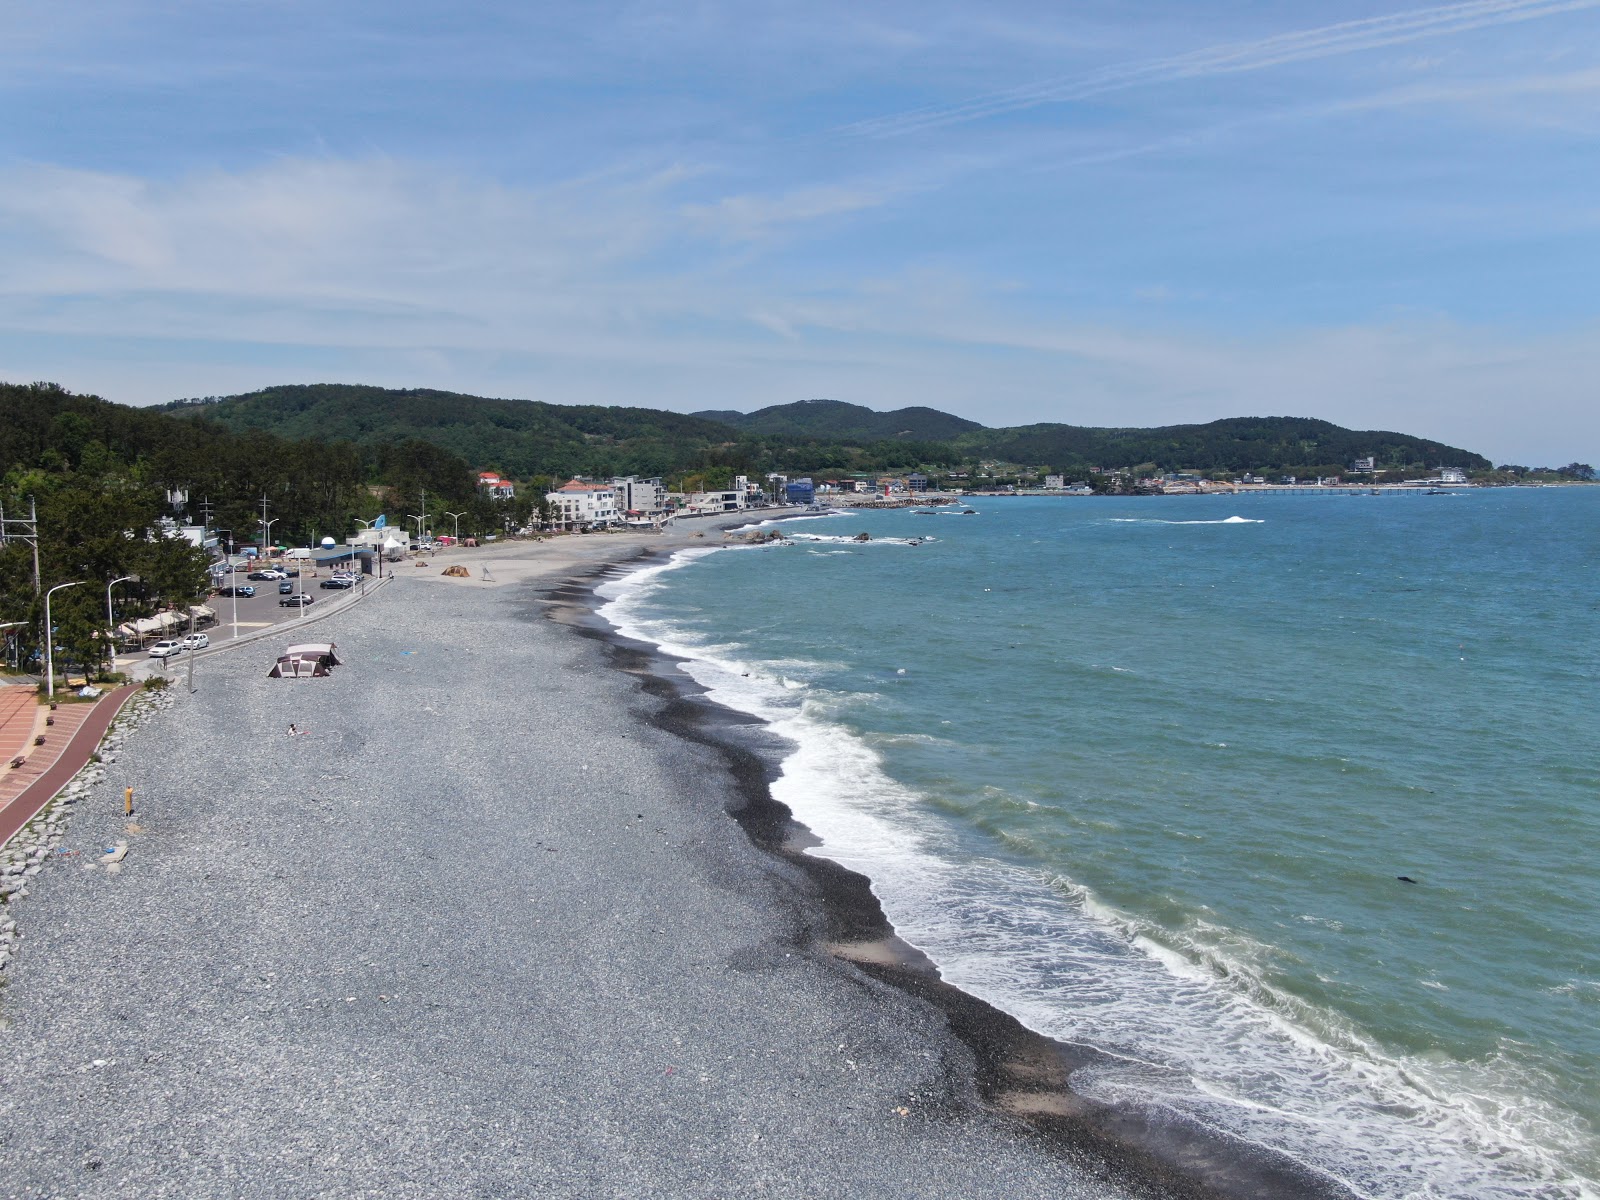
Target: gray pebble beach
<point>488,929</point>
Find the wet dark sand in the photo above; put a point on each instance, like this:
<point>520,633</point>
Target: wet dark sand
<point>1015,1071</point>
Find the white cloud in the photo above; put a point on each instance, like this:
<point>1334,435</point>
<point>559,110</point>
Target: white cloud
<point>601,290</point>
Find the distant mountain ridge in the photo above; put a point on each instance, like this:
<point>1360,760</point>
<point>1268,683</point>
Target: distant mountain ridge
<point>520,437</point>
<point>838,420</point>
<point>529,437</point>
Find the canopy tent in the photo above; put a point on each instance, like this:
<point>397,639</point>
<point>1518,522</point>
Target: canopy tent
<point>322,650</point>
<point>290,666</point>
<point>305,661</point>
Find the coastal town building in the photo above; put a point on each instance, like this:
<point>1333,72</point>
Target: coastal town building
<point>800,491</point>
<point>642,502</point>
<point>496,488</point>
<point>1055,482</point>
<point>581,504</point>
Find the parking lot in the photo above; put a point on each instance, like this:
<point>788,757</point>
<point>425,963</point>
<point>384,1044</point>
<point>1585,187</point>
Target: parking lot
<point>255,613</point>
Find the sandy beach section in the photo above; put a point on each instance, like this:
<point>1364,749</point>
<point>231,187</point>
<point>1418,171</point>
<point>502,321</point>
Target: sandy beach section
<point>489,928</point>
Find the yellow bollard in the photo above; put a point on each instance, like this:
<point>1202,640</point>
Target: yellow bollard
<point>127,801</point>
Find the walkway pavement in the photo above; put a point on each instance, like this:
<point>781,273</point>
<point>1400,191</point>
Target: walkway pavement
<point>69,742</point>
<point>17,712</point>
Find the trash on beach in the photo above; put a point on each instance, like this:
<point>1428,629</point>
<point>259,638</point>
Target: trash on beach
<point>457,572</point>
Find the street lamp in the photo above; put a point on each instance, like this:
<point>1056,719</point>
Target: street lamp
<point>419,518</point>
<point>266,532</point>
<point>111,620</point>
<point>50,639</point>
<point>456,517</point>
<point>233,582</point>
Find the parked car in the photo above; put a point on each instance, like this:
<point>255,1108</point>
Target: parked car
<point>337,582</point>
<point>285,588</point>
<point>166,648</point>
<point>196,641</point>
<point>297,601</point>
<point>268,573</point>
<point>244,589</point>
<point>290,572</point>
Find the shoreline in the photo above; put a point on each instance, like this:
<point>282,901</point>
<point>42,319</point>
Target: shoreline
<point>486,929</point>
<point>1017,1073</point>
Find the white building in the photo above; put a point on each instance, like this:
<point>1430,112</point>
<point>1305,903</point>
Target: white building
<point>579,504</point>
<point>496,487</point>
<point>707,503</point>
<point>1055,483</point>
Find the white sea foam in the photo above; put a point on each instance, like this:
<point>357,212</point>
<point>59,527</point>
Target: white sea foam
<point>843,539</point>
<point>1158,521</point>
<point>1189,1017</point>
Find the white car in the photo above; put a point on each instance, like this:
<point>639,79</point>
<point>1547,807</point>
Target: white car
<point>196,641</point>
<point>166,648</point>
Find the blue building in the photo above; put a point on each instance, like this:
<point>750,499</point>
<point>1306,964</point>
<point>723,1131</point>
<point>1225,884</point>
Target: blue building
<point>800,491</point>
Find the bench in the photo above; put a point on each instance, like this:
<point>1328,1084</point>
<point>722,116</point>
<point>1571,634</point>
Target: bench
<point>39,740</point>
<point>18,761</point>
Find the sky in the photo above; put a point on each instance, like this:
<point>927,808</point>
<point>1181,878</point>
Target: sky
<point>1088,212</point>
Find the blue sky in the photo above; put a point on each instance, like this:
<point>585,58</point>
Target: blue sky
<point>1018,212</point>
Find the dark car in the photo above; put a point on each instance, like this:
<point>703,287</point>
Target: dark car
<point>299,601</point>
<point>291,572</point>
<point>285,588</point>
<point>338,583</point>
<point>243,589</point>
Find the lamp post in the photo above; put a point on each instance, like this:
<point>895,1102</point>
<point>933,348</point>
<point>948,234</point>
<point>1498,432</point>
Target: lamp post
<point>233,583</point>
<point>266,532</point>
<point>50,640</point>
<point>456,517</point>
<point>111,620</point>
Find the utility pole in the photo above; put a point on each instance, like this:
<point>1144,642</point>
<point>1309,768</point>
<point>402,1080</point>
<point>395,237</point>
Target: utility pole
<point>265,524</point>
<point>27,530</point>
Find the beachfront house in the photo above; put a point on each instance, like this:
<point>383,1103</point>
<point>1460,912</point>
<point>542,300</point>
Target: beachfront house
<point>495,487</point>
<point>642,502</point>
<point>581,504</point>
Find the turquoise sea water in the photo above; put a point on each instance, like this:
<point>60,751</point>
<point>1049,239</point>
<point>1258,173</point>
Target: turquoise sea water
<point>1145,772</point>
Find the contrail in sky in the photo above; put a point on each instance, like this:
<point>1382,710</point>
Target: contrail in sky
<point>1344,38</point>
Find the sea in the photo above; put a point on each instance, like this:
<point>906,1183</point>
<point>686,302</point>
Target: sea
<point>1290,804</point>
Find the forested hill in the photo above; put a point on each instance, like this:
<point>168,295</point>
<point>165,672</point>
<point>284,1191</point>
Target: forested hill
<point>524,438</point>
<point>519,437</point>
<point>1297,445</point>
<point>836,420</point>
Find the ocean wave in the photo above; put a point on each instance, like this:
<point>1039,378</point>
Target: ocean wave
<point>1189,1017</point>
<point>1158,521</point>
<point>843,539</point>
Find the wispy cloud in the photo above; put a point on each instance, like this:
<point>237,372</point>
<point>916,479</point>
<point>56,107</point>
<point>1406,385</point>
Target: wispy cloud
<point>1324,41</point>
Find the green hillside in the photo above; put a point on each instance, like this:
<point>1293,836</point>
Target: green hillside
<point>837,421</point>
<point>525,438</point>
<point>1294,445</point>
<point>520,437</point>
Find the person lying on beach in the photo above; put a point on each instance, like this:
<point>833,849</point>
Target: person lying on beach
<point>293,732</point>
